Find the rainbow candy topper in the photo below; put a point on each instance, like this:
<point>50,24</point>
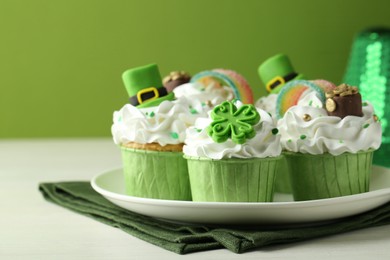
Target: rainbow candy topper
<point>229,78</point>
<point>291,93</point>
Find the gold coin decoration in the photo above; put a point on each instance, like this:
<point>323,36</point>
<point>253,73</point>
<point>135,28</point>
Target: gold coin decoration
<point>174,75</point>
<point>306,117</point>
<point>330,105</point>
<point>209,103</point>
<point>342,91</point>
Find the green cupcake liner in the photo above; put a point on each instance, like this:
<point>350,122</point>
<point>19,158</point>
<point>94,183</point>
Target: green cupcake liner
<point>327,176</point>
<point>158,175</point>
<point>232,180</point>
<point>282,179</point>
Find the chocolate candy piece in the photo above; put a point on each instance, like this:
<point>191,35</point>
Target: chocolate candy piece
<point>174,79</point>
<point>344,101</point>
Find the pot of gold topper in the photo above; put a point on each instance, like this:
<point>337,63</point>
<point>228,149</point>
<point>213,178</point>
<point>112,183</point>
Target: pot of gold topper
<point>175,79</point>
<point>343,101</point>
<point>232,122</point>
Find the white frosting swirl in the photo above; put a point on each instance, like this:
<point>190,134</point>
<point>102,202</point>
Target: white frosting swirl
<point>163,124</point>
<point>310,98</point>
<point>264,144</point>
<point>268,103</point>
<point>199,95</point>
<point>328,134</point>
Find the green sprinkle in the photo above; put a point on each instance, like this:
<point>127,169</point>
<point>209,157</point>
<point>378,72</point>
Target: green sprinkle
<point>289,140</point>
<point>198,130</point>
<point>364,104</point>
<point>275,131</point>
<point>120,119</point>
<point>146,113</point>
<point>311,102</point>
<point>175,135</point>
<point>203,104</point>
<point>269,114</point>
<point>366,125</point>
<point>193,111</point>
<point>341,141</point>
<point>302,137</point>
<point>151,114</point>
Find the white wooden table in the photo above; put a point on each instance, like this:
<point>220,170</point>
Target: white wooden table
<point>32,228</point>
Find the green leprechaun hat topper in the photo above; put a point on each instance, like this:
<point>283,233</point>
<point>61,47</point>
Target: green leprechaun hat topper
<point>144,86</point>
<point>276,71</point>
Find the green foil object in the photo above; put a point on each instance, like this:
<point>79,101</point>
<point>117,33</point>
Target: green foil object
<point>230,122</point>
<point>233,179</point>
<point>325,176</point>
<point>369,69</point>
<point>158,175</point>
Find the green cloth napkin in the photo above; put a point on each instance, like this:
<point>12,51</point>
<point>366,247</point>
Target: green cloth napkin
<point>183,239</point>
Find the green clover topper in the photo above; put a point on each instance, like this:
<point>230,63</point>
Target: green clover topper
<point>228,121</point>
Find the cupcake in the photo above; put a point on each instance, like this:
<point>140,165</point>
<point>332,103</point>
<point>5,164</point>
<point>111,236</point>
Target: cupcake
<point>274,73</point>
<point>233,155</point>
<point>150,132</point>
<point>329,138</point>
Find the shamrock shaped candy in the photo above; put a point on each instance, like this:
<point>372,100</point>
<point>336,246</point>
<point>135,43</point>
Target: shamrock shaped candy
<point>230,122</point>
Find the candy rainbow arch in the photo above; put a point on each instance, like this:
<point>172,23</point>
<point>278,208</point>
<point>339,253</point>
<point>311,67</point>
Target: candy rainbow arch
<point>324,84</point>
<point>292,91</point>
<point>229,78</point>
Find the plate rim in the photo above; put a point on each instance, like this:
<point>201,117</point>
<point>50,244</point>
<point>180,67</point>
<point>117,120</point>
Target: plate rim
<point>203,204</point>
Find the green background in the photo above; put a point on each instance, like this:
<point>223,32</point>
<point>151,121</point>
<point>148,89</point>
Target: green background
<point>61,60</point>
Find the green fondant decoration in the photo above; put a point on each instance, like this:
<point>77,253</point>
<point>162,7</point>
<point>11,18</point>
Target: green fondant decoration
<point>366,125</point>
<point>302,137</point>
<point>143,78</point>
<point>230,122</point>
<point>151,114</point>
<point>274,67</point>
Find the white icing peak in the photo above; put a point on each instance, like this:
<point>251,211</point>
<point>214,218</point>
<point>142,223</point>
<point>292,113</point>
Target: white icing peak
<point>264,144</point>
<point>163,124</point>
<point>328,134</point>
<point>268,103</point>
<point>197,93</point>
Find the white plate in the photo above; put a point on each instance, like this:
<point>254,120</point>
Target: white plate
<point>282,211</point>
